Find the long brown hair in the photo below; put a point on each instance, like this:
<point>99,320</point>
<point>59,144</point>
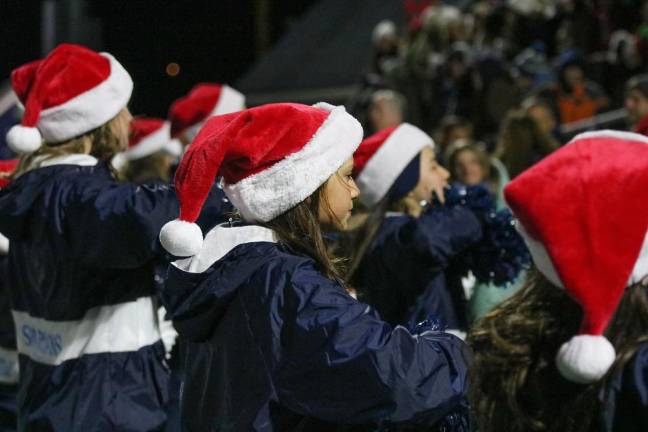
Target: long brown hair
<point>299,229</point>
<point>515,385</point>
<point>521,142</point>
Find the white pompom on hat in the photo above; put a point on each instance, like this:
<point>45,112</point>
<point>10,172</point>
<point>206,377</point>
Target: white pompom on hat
<point>583,212</point>
<point>68,93</point>
<point>271,158</point>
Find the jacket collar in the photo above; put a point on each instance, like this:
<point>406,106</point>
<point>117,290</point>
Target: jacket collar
<point>222,239</point>
<point>77,159</point>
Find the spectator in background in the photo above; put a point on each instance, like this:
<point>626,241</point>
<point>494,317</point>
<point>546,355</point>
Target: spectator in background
<point>470,165</point>
<point>542,112</point>
<point>452,129</point>
<point>522,143</point>
<point>386,109</point>
<point>636,102</point>
<point>386,43</point>
<point>578,97</point>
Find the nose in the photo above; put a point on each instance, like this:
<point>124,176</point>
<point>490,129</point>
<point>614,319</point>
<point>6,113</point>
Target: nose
<point>355,191</point>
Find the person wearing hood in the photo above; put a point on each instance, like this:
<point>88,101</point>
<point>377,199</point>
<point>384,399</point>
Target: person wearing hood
<point>82,246</point>
<point>278,343</point>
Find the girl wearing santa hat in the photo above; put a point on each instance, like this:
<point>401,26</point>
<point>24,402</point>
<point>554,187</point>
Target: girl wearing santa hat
<point>278,343</point>
<point>189,113</point>
<point>151,152</point>
<point>406,246</point>
<point>569,352</point>
<point>82,246</point>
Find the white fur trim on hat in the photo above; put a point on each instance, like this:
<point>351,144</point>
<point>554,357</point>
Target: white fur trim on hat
<point>181,238</point>
<point>640,269</point>
<point>541,258</point>
<point>88,110</point>
<point>153,143</point>
<point>230,101</point>
<point>23,139</point>
<point>4,245</point>
<point>389,161</point>
<point>608,133</point>
<point>174,148</point>
<point>269,193</point>
<point>585,359</point>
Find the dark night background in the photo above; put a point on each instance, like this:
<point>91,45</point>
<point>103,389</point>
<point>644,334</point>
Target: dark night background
<point>211,40</point>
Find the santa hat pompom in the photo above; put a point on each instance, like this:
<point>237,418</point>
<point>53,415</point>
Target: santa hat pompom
<point>4,245</point>
<point>23,139</point>
<point>181,238</point>
<point>585,359</point>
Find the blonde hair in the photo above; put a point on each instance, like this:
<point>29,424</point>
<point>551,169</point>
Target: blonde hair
<point>102,143</point>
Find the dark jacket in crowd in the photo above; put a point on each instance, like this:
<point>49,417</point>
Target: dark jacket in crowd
<point>627,403</point>
<point>277,346</point>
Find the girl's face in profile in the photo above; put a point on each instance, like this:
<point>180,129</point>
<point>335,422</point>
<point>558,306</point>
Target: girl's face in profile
<point>337,203</point>
<point>433,178</point>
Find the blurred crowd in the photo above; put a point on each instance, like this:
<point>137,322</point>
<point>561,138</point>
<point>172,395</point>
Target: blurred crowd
<point>500,84</point>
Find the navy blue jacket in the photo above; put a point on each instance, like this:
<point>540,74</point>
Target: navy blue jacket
<point>402,272</point>
<point>626,407</point>
<point>81,257</point>
<point>276,346</point>
<point>8,355</point>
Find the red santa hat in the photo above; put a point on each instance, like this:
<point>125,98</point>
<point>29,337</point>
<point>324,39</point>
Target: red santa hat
<point>382,157</point>
<point>148,136</point>
<point>583,212</point>
<point>271,157</point>
<point>70,92</point>
<point>7,167</point>
<point>190,112</point>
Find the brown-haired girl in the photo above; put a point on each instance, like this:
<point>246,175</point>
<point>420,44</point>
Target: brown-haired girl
<point>279,343</point>
<point>583,211</point>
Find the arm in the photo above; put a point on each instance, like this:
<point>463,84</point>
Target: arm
<point>441,234</point>
<point>116,225</point>
<point>339,362</point>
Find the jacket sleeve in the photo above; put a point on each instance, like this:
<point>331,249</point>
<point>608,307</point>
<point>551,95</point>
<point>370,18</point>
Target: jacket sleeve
<point>437,236</point>
<point>117,224</point>
<point>339,362</point>
<point>628,409</point>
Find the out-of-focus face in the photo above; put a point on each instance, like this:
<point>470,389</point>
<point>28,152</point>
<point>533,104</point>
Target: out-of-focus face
<point>467,168</point>
<point>544,117</point>
<point>433,178</point>
<point>637,105</point>
<point>120,127</point>
<point>341,190</point>
<point>457,133</point>
<point>383,114</point>
<point>574,76</point>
